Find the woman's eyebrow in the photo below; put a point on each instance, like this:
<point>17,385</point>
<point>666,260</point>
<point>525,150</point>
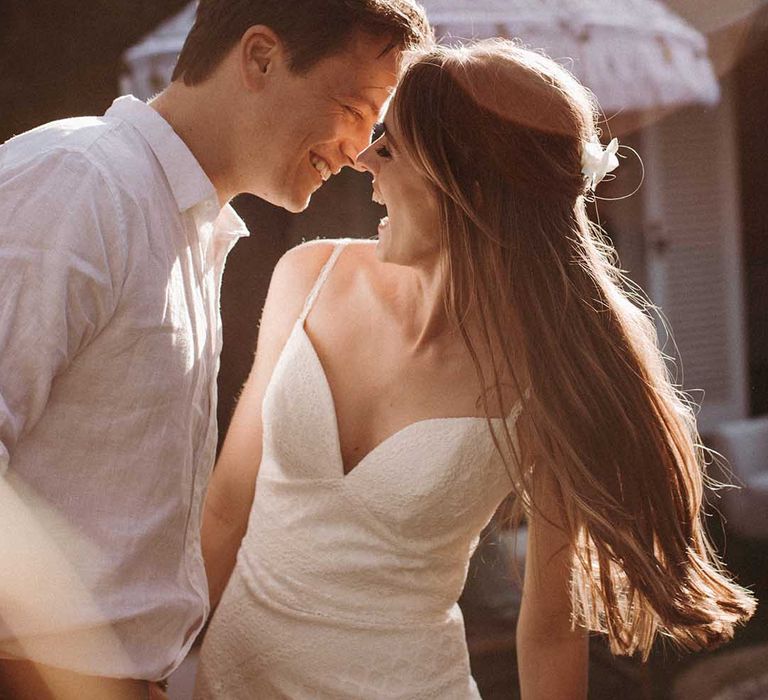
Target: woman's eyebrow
<point>389,136</point>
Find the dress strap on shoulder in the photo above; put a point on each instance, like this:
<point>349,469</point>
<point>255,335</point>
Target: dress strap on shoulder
<point>321,278</point>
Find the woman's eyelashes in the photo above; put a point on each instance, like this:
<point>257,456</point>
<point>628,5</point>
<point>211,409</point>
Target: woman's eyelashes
<point>379,131</point>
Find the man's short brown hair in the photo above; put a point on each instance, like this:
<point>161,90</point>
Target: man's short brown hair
<point>310,29</point>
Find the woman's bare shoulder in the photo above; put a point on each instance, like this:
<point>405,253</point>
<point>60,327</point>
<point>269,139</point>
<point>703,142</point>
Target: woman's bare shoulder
<point>309,254</point>
<point>361,250</point>
<point>298,268</point>
<point>293,277</point>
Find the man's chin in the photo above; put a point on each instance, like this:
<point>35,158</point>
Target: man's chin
<point>297,207</point>
<point>294,203</point>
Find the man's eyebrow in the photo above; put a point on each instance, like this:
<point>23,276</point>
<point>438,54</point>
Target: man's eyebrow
<point>369,102</point>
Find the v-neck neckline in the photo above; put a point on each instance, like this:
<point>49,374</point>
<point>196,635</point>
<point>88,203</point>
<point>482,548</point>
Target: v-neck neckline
<point>343,472</point>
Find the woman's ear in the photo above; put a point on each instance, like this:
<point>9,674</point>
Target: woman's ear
<point>260,50</point>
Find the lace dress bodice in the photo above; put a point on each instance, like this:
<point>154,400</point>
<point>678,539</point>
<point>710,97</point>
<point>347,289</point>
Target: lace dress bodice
<point>378,555</point>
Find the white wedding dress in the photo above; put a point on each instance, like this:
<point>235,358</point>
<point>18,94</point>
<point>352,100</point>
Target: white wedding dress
<point>346,585</point>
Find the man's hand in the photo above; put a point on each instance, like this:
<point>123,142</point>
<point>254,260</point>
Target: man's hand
<point>25,680</point>
<point>156,692</point>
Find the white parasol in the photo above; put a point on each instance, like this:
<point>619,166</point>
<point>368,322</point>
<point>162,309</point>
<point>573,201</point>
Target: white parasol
<point>635,55</point>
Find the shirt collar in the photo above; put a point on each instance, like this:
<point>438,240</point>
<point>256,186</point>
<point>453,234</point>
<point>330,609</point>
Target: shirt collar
<point>191,187</point>
<point>228,223</point>
<point>189,183</point>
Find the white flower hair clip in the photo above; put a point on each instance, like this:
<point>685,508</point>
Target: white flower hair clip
<point>597,162</point>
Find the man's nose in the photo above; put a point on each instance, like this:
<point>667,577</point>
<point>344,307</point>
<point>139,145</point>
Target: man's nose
<point>360,163</point>
<point>356,145</point>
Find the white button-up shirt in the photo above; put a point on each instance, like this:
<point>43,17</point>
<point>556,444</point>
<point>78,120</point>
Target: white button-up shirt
<point>112,248</point>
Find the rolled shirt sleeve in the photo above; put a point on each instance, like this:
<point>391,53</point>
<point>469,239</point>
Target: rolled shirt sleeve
<point>61,260</point>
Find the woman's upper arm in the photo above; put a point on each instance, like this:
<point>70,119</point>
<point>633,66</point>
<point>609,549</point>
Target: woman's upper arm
<point>552,655</point>
<point>234,478</point>
<point>549,557</point>
<point>549,554</point>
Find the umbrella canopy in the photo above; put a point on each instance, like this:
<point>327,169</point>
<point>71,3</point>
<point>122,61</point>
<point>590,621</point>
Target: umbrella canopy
<point>714,16</point>
<point>635,55</point>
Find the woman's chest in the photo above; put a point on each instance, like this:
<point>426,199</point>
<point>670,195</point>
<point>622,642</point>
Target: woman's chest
<point>379,388</point>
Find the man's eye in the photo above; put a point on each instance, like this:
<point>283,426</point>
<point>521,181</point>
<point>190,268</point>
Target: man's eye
<point>356,113</point>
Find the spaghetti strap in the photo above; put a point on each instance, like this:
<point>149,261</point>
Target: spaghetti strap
<point>321,278</point>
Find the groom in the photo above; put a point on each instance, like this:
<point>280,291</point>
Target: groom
<point>113,236</point>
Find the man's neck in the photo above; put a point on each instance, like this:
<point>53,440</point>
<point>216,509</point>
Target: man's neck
<point>197,118</point>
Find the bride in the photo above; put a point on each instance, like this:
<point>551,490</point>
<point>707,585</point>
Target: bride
<point>485,345</point>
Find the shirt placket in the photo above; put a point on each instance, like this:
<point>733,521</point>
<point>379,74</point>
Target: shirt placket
<point>203,236</point>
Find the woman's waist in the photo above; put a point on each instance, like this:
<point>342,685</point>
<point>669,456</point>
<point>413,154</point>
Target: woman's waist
<point>366,585</point>
<point>377,655</point>
<point>331,551</point>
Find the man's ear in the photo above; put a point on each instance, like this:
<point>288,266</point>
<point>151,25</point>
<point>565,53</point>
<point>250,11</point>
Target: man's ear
<point>260,50</point>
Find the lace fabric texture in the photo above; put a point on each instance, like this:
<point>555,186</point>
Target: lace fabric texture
<point>346,585</point>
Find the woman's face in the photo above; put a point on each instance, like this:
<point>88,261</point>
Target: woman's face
<point>409,234</point>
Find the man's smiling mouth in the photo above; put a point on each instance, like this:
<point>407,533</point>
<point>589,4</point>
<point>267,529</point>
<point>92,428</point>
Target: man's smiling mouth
<point>322,166</point>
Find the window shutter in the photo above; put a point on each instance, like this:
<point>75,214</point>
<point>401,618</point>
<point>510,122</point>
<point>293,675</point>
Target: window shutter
<point>693,237</point>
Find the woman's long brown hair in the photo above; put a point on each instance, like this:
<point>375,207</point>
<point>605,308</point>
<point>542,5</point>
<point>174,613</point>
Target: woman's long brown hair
<point>498,130</point>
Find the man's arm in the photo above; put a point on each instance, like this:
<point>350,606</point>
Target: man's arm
<point>61,260</point>
<point>24,680</point>
<point>231,491</point>
<point>61,256</point>
<point>552,657</point>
